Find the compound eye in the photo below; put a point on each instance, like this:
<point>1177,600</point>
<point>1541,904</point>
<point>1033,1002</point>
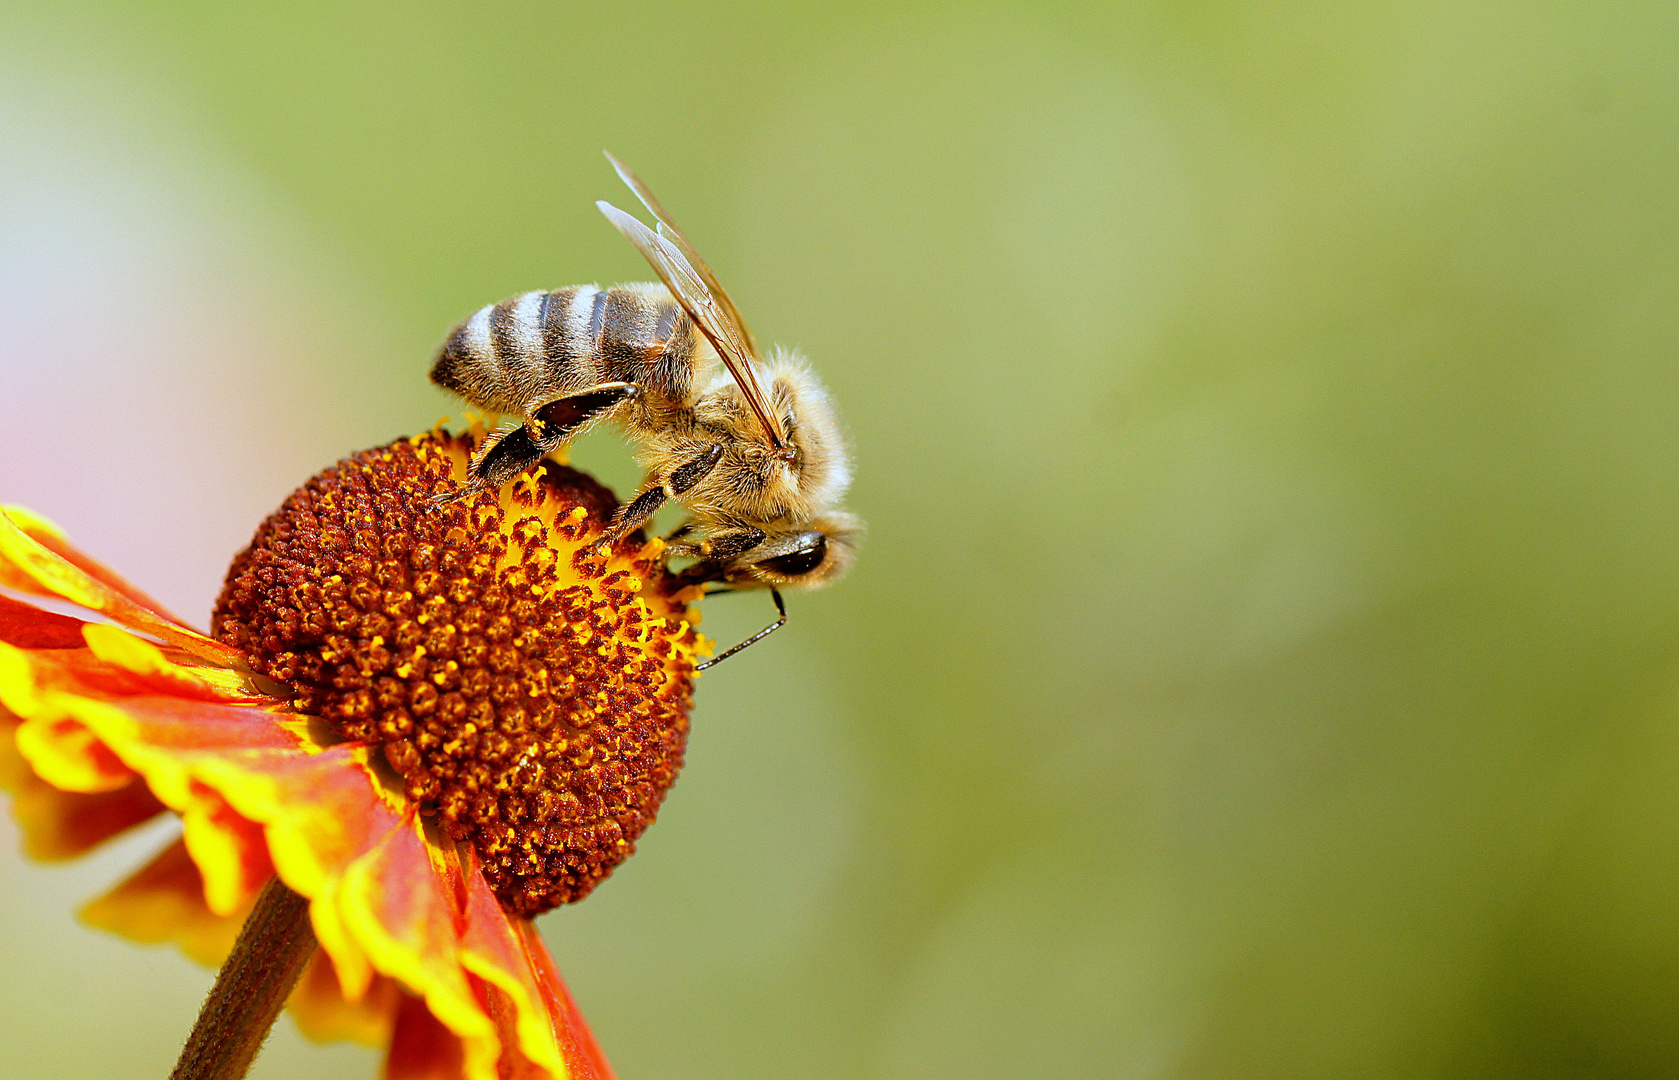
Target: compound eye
<point>796,564</point>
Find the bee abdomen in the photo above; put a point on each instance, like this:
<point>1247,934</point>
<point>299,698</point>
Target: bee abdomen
<point>510,357</point>
<point>495,358</point>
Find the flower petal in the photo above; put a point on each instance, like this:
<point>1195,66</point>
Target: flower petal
<point>35,557</point>
<point>87,744</point>
<point>514,1065</point>
<point>157,670</point>
<point>583,1056</point>
<point>116,664</point>
<point>230,850</point>
<point>28,627</point>
<point>246,787</point>
<point>59,825</point>
<point>321,813</point>
<point>421,1047</point>
<point>81,734</point>
<point>491,950</point>
<point>163,901</point>
<point>65,754</point>
<point>48,535</point>
<point>395,904</point>
<point>324,1015</point>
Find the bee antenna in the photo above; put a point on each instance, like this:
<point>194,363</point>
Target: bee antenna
<point>780,607</point>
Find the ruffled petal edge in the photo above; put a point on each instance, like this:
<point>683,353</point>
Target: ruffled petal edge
<point>122,728</point>
<point>36,557</point>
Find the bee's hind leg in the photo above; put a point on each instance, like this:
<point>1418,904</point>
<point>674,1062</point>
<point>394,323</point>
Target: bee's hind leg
<point>728,545</point>
<point>505,457</point>
<point>559,420</point>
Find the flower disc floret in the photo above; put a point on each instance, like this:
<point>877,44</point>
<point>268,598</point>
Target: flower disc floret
<point>528,686</point>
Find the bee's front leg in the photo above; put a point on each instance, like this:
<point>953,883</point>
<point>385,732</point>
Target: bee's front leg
<point>727,545</point>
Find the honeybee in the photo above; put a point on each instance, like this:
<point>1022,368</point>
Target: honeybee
<point>761,472</point>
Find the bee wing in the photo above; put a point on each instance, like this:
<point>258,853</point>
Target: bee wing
<point>668,228</point>
<point>690,290</point>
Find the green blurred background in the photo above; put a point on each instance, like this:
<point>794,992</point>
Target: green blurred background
<point>1263,661</point>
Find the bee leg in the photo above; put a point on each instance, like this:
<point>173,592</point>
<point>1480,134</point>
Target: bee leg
<point>781,610</point>
<point>501,459</point>
<point>558,420</point>
<point>677,544</point>
<point>730,544</point>
<point>714,556</point>
<point>549,427</point>
<point>681,480</point>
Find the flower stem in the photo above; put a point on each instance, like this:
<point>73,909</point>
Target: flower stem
<point>253,984</point>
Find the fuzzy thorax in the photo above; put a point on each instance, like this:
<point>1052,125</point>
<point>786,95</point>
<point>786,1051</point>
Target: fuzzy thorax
<point>753,482</point>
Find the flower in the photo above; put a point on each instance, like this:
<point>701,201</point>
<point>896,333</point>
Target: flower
<point>432,719</point>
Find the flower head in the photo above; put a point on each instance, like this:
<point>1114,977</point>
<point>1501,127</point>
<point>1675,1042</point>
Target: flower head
<point>432,719</point>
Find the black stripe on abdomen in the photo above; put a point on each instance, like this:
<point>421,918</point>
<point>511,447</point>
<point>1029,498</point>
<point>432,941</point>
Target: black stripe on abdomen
<point>559,346</point>
<point>628,328</point>
<point>504,334</point>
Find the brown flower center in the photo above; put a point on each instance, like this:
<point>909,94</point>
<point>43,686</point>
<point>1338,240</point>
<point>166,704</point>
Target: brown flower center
<point>531,689</point>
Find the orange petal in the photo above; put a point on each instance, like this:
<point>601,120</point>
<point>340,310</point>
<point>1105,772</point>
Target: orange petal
<point>247,780</point>
<point>509,955</point>
<point>323,1015</point>
<point>164,902</point>
<point>59,825</point>
<point>321,812</point>
<point>514,1065</point>
<point>51,537</point>
<point>55,691</point>
<point>28,627</point>
<point>231,851</point>
<point>397,905</point>
<point>325,799</point>
<point>65,754</point>
<point>156,731</point>
<point>491,950</point>
<point>168,672</point>
<point>35,557</point>
<point>81,734</point>
<point>583,1056</point>
<point>116,664</point>
<point>14,767</point>
<point>82,744</point>
<point>421,1047</point>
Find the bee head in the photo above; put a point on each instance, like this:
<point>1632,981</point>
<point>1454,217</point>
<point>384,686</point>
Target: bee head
<point>813,556</point>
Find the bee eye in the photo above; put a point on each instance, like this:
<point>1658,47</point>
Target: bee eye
<point>799,563</point>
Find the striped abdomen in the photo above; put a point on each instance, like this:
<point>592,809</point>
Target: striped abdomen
<point>527,350</point>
